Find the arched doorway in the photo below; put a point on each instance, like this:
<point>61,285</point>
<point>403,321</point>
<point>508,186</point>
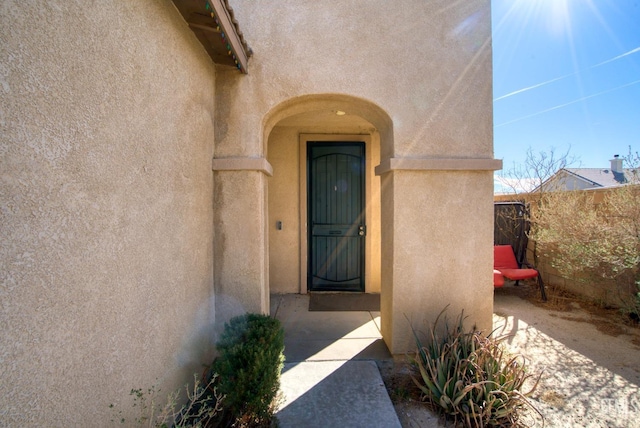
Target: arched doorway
<point>431,211</point>
<point>339,248</point>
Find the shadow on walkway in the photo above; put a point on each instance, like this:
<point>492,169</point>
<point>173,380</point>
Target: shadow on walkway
<point>589,378</point>
<point>330,377</point>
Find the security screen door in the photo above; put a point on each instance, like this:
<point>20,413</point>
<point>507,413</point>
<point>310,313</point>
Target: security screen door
<point>336,216</point>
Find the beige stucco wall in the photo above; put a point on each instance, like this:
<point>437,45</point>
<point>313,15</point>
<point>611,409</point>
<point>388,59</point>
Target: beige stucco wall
<point>438,251</point>
<point>420,73</point>
<point>106,127</point>
<point>284,196</point>
<point>239,226</point>
<point>427,64</point>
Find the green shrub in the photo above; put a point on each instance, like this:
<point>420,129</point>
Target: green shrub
<point>249,365</point>
<point>469,377</point>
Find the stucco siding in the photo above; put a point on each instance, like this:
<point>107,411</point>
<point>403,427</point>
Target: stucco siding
<point>427,64</point>
<point>239,267</point>
<point>284,207</point>
<point>440,255</point>
<point>420,73</point>
<point>106,118</point>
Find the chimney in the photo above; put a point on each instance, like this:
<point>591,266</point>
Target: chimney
<point>616,164</point>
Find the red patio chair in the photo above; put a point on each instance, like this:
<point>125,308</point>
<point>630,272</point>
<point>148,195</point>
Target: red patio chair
<point>504,261</point>
<point>498,279</point>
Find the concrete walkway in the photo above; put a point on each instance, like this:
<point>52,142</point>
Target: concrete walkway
<point>589,378</point>
<point>330,377</point>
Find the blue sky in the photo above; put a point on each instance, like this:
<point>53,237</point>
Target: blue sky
<point>566,75</point>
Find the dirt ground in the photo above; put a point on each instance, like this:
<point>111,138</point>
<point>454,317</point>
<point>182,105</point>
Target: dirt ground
<point>589,358</point>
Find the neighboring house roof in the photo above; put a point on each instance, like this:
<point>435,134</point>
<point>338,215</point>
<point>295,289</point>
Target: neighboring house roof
<point>601,177</point>
<point>589,178</point>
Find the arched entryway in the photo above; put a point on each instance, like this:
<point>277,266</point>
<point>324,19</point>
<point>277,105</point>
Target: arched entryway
<point>336,127</point>
<point>434,246</point>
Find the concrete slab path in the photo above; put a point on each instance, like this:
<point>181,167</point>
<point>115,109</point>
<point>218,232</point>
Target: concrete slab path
<point>330,376</point>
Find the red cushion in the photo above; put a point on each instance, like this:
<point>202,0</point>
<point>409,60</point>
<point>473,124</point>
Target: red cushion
<point>498,279</point>
<point>518,274</point>
<point>503,257</point>
<point>505,262</point>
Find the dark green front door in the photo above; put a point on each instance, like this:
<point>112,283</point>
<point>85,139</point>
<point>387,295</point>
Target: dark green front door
<point>336,216</point>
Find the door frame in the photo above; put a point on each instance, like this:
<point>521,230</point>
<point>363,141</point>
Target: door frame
<point>304,243</point>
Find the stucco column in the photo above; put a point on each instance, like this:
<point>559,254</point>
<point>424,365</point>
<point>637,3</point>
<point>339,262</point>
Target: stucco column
<point>241,265</point>
<point>437,242</point>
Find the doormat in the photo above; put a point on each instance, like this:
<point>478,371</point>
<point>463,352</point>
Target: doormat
<point>335,302</point>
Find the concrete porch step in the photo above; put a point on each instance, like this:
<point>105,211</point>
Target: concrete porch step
<point>320,394</point>
<point>330,377</point>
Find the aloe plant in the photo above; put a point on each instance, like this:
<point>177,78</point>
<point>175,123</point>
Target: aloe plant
<point>469,377</point>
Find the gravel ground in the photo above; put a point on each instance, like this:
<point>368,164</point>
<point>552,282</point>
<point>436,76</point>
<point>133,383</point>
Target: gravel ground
<point>589,360</point>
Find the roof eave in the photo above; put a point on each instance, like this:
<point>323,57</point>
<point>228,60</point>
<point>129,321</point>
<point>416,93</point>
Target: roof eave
<point>214,24</point>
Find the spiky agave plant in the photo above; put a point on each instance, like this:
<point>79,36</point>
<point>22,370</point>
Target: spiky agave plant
<point>470,377</point>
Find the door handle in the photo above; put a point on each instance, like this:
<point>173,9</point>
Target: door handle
<point>362,230</point>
